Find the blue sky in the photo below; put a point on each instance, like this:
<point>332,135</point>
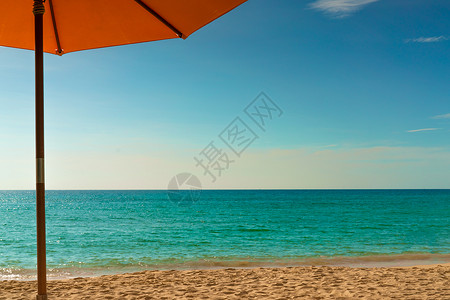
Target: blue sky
<point>363,85</point>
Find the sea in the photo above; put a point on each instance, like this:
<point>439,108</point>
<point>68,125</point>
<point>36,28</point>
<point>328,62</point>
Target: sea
<point>91,233</point>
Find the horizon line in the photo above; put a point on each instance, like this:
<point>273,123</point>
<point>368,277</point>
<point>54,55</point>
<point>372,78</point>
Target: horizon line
<point>233,189</point>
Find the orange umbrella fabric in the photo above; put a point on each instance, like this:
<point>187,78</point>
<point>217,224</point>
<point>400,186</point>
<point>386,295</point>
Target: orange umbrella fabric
<point>88,24</point>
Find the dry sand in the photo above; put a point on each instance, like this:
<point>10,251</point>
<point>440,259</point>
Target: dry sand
<point>424,282</point>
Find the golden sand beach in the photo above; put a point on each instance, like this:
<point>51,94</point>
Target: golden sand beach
<point>419,282</point>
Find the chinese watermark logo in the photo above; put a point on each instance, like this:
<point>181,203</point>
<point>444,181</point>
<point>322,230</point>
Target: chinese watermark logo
<point>238,136</point>
<point>184,187</point>
<point>262,110</point>
<point>215,160</point>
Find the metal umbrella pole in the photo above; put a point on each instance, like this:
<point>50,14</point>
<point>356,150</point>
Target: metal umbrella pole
<point>38,11</point>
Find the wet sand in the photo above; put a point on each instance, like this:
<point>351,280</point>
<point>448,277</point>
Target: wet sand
<point>419,282</point>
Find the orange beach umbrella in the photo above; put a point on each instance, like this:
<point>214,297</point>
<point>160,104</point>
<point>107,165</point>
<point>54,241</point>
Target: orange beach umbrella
<point>63,26</point>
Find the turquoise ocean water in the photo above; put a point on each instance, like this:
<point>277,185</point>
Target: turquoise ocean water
<point>102,232</point>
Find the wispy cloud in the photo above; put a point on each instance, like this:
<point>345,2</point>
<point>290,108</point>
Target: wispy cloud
<point>339,8</point>
<point>431,39</point>
<point>330,146</point>
<point>343,167</point>
<point>424,129</point>
<point>444,116</point>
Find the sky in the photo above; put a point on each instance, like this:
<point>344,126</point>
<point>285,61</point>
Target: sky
<point>356,95</point>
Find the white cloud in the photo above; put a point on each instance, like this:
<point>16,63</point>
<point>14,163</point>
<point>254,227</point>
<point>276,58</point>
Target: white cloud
<point>340,8</point>
<point>431,39</point>
<point>444,116</point>
<point>424,129</point>
<point>329,146</point>
<point>372,167</point>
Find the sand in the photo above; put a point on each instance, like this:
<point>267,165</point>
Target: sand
<point>424,282</point>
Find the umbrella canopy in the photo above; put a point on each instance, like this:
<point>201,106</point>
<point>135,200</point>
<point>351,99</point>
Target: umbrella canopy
<point>86,24</point>
<point>63,26</point>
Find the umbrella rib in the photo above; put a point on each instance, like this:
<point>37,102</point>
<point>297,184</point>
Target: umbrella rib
<point>161,19</point>
<point>55,28</point>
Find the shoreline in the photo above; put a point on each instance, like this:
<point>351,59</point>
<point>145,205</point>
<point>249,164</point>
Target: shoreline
<point>426,266</point>
<point>321,282</point>
<point>408,260</point>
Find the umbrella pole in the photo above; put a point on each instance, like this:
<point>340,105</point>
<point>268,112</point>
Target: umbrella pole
<point>38,10</point>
